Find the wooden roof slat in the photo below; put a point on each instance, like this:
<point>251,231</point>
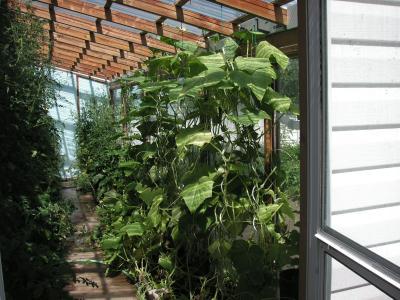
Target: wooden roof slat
<point>122,18</point>
<point>99,27</point>
<point>177,13</point>
<point>259,8</point>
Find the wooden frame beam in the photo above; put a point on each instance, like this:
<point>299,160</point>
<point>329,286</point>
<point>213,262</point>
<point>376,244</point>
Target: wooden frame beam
<point>141,42</point>
<point>97,11</point>
<point>258,8</point>
<point>177,13</point>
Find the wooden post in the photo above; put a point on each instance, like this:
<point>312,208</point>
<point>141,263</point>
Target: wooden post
<point>78,103</point>
<point>112,101</point>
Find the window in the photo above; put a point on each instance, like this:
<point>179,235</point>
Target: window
<point>350,110</point>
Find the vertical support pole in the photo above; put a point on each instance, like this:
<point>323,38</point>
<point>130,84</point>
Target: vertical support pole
<point>268,144</point>
<point>78,102</point>
<point>112,101</point>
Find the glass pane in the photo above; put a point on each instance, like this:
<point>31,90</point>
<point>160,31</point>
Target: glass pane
<point>364,123</point>
<point>344,284</point>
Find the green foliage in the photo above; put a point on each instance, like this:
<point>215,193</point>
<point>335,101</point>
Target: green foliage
<point>34,222</point>
<point>190,212</point>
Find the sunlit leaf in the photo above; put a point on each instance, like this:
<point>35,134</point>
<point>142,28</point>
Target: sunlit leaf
<point>194,194</point>
<point>193,136</point>
<point>266,50</point>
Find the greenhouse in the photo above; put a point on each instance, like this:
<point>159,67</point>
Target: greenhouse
<point>200,149</point>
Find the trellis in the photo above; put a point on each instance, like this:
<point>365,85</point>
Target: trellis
<point>87,37</point>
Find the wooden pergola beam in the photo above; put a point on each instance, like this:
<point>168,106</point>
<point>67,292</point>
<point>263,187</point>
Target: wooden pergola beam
<point>177,13</point>
<point>97,11</point>
<point>98,27</point>
<point>73,27</point>
<point>258,8</point>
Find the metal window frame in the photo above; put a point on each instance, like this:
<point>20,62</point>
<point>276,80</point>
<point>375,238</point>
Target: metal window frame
<point>317,240</point>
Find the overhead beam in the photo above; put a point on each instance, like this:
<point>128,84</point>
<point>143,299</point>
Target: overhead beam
<point>258,8</point>
<point>99,27</point>
<point>97,11</point>
<point>180,14</point>
<point>62,23</point>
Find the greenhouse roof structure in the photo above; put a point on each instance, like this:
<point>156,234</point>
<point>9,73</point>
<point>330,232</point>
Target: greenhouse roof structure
<point>107,39</point>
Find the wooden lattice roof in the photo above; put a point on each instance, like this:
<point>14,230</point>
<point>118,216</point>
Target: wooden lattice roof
<point>106,39</point>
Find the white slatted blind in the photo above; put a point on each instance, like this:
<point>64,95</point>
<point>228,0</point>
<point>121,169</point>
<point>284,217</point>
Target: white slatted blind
<point>364,132</point>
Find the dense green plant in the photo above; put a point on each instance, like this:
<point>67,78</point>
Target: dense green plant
<point>192,213</point>
<point>97,154</point>
<point>34,222</point>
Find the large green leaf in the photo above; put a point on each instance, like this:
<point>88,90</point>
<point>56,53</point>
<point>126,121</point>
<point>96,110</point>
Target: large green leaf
<point>266,50</point>
<point>165,261</point>
<point>249,118</point>
<point>149,195</point>
<point>213,61</point>
<point>193,136</point>
<point>203,80</point>
<point>266,212</point>
<point>228,47</point>
<point>187,46</point>
<point>134,229</point>
<point>277,101</point>
<point>111,243</point>
<point>251,64</point>
<point>194,194</point>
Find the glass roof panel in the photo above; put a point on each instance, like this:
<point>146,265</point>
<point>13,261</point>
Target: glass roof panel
<point>210,9</point>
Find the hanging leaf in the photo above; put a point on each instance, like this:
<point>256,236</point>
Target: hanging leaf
<point>213,61</point>
<point>266,50</point>
<point>251,64</point>
<point>228,47</point>
<point>194,194</point>
<point>193,136</point>
<point>187,46</point>
<point>135,229</point>
<point>266,212</point>
<point>111,243</point>
<point>249,118</point>
<point>278,102</point>
<point>165,261</point>
<point>205,79</point>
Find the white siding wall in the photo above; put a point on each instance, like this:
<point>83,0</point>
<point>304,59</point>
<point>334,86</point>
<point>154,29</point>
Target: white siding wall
<point>364,124</point>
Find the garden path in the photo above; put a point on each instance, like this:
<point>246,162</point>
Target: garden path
<point>85,220</point>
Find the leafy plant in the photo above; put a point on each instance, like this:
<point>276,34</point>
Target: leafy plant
<point>191,212</point>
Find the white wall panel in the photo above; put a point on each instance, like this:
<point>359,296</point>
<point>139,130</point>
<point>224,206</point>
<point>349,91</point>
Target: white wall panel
<point>368,188</point>
<point>357,20</point>
<point>363,107</point>
<point>364,148</point>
